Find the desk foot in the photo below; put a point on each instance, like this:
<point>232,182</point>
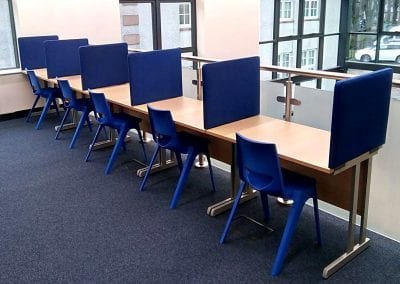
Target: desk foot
<point>226,204</point>
<point>156,168</point>
<point>344,259</point>
<point>108,143</point>
<point>66,126</point>
<point>201,162</point>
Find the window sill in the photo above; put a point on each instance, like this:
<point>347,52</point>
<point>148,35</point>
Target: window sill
<point>286,20</point>
<point>309,19</point>
<point>10,71</point>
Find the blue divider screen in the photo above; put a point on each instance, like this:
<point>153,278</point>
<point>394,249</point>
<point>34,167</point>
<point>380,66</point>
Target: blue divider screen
<point>62,57</point>
<point>31,51</point>
<point>155,75</point>
<point>231,91</point>
<point>104,65</point>
<point>359,116</point>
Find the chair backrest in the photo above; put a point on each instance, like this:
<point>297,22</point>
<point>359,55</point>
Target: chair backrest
<point>259,165</point>
<point>33,80</point>
<point>163,128</point>
<point>67,93</point>
<point>101,107</point>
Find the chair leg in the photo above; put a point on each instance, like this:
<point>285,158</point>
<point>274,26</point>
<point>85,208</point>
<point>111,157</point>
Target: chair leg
<point>179,160</point>
<point>94,141</point>
<point>56,106</point>
<point>290,227</point>
<point>317,226</point>
<point>88,120</point>
<point>62,122</point>
<point>78,129</point>
<point>120,142</point>
<point>44,111</point>
<point>232,213</point>
<point>142,142</point>
<point>31,110</point>
<point>264,201</point>
<point>211,171</point>
<point>149,168</point>
<point>182,178</point>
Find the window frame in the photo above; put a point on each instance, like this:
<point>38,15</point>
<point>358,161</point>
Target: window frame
<point>14,40</point>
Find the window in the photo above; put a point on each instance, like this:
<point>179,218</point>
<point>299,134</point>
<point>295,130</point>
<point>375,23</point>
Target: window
<point>302,34</point>
<point>8,53</point>
<point>308,59</point>
<point>286,10</point>
<point>373,33</point>
<point>159,24</point>
<point>285,59</point>
<point>184,15</point>
<point>310,9</point>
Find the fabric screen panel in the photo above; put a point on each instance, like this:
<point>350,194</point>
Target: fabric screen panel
<point>231,91</point>
<point>32,52</point>
<point>62,57</point>
<point>155,75</point>
<point>359,116</point>
<point>104,65</point>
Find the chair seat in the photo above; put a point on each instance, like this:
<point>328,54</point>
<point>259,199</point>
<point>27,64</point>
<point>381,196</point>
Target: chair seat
<point>81,104</point>
<point>294,183</point>
<point>46,92</point>
<point>188,140</point>
<point>120,120</point>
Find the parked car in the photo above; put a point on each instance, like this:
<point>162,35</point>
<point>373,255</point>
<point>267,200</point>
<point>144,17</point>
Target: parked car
<point>389,49</point>
<point>388,52</point>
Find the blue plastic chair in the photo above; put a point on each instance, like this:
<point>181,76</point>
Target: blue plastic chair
<point>260,169</point>
<point>83,105</point>
<point>166,137</point>
<point>120,122</point>
<point>50,94</point>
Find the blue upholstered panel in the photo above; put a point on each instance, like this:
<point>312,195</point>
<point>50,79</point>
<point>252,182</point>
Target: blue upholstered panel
<point>360,115</point>
<point>155,75</point>
<point>104,65</point>
<point>231,91</point>
<point>31,51</point>
<point>62,57</point>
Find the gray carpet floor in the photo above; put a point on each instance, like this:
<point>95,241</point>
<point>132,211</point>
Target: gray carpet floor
<point>63,220</point>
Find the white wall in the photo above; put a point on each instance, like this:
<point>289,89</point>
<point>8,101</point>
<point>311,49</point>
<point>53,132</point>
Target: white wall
<point>15,93</point>
<point>227,28</point>
<point>99,21</point>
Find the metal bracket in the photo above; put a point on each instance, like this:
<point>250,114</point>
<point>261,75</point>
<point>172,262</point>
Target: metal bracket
<point>293,101</point>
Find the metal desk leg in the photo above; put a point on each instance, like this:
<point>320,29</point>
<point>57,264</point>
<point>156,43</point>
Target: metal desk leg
<point>112,138</point>
<point>226,204</point>
<point>163,164</point>
<point>71,125</point>
<point>363,242</point>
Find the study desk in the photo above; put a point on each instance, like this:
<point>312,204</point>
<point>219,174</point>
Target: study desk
<point>301,149</point>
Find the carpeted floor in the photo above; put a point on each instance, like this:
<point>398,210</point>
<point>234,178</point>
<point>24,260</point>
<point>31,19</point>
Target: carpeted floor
<point>63,220</point>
